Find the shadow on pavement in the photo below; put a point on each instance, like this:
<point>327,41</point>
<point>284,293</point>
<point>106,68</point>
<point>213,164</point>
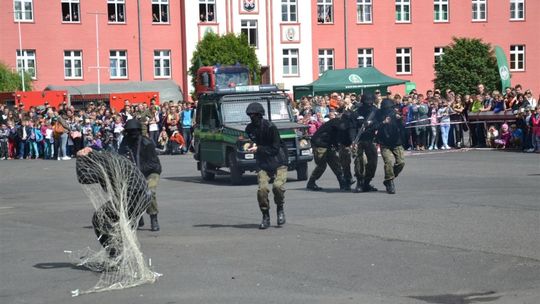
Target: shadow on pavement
<point>240,226</point>
<point>53,265</point>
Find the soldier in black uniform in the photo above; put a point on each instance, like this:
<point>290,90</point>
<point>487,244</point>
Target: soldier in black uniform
<point>364,168</point>
<point>390,131</point>
<point>325,143</point>
<point>141,150</point>
<point>271,156</point>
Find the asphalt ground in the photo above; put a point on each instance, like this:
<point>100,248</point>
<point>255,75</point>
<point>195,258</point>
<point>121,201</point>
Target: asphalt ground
<point>464,227</point>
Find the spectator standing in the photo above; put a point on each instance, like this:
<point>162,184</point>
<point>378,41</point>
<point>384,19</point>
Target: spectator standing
<point>187,121</point>
<point>4,134</point>
<point>444,117</point>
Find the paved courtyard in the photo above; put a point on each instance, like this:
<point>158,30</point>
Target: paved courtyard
<point>464,227</point>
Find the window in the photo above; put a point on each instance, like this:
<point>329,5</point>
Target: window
<point>365,58</point>
<point>162,64</point>
<point>288,11</point>
<point>363,11</point>
<point>70,10</point>
<point>160,11</point>
<point>27,62</point>
<point>23,10</point>
<point>438,52</point>
<point>517,58</point>
<point>325,13</point>
<point>403,11</point>
<point>479,10</point>
<point>403,60</point>
<point>116,10</point>
<point>517,9</point>
<point>207,10</point>
<point>118,64</point>
<point>440,11</point>
<point>249,28</point>
<point>73,64</point>
<point>326,60</point>
<point>290,62</point>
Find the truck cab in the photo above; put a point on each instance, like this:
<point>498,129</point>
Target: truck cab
<point>220,141</point>
<point>212,78</point>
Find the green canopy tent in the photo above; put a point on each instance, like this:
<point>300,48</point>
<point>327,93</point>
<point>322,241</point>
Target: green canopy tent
<point>357,80</point>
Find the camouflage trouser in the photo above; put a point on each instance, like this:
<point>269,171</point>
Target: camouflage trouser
<point>278,188</point>
<point>392,168</point>
<point>345,161</point>
<point>365,167</point>
<point>152,180</point>
<point>323,156</point>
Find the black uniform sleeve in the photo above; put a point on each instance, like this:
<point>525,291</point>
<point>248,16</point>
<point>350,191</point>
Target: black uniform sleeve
<point>149,159</point>
<point>273,148</point>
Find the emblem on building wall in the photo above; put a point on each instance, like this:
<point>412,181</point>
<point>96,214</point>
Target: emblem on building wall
<point>291,34</point>
<point>249,5</point>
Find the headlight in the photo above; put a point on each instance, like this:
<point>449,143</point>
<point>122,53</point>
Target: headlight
<point>303,143</point>
<point>246,146</point>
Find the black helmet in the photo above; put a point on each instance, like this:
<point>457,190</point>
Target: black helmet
<point>255,108</point>
<point>367,99</point>
<point>387,103</point>
<point>133,124</point>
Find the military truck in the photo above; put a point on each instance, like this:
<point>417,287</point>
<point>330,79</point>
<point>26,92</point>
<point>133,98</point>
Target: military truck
<point>220,141</point>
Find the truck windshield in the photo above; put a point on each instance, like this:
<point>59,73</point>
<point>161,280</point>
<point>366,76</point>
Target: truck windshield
<point>224,79</point>
<point>235,112</point>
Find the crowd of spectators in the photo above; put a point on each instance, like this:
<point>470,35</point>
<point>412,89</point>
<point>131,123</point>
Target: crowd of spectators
<point>440,119</point>
<point>58,133</point>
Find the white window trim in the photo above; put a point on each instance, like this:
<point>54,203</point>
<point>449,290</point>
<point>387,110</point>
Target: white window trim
<point>160,3</point>
<point>289,4</point>
<point>248,27</point>
<point>71,13</point>
<point>72,58</point>
<point>23,11</point>
<point>478,4</point>
<point>440,3</point>
<point>116,4</point>
<point>327,54</point>
<point>25,58</point>
<point>207,3</point>
<point>117,67</point>
<point>516,53</point>
<point>161,64</point>
<point>516,2</point>
<point>290,57</point>
<point>362,53</point>
<point>325,4</point>
<point>402,4</point>
<point>404,55</point>
<point>438,54</point>
<point>364,3</point>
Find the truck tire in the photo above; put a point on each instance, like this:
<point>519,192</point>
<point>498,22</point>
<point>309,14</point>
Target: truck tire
<point>236,173</point>
<point>205,174</point>
<point>301,172</point>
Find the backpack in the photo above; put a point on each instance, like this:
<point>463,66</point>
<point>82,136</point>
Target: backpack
<point>58,129</point>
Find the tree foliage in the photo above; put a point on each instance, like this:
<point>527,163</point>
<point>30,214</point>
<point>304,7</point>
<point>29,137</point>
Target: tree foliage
<point>228,49</point>
<point>11,81</point>
<point>465,64</point>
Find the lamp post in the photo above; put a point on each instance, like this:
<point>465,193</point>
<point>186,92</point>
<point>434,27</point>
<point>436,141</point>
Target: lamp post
<point>98,66</point>
<point>20,46</point>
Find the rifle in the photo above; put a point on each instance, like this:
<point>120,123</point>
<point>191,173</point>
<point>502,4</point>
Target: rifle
<point>364,126</point>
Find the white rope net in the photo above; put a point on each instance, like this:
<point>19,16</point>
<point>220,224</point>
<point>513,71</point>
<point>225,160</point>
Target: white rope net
<point>119,193</point>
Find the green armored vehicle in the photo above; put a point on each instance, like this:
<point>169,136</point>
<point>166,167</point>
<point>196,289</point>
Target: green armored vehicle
<point>220,141</point>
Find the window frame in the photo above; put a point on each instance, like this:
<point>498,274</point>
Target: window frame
<point>287,5</point>
<point>403,56</point>
<point>365,54</point>
<point>24,59</point>
<point>326,56</point>
<point>117,14</point>
<point>324,4</point>
<point>440,4</point>
<point>70,4</point>
<point>515,61</point>
<point>118,58</point>
<point>290,57</point>
<point>73,59</point>
<point>438,52</point>
<point>476,13</point>
<point>20,15</point>
<point>402,4</point>
<point>162,68</point>
<point>160,4</point>
<point>361,16</point>
<point>209,6</point>
<point>515,12</point>
<point>248,28</point>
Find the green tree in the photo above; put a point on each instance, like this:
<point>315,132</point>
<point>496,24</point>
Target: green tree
<point>11,81</point>
<point>465,64</point>
<point>226,50</point>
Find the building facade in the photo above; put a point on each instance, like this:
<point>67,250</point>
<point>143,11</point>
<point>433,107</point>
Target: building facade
<point>74,42</point>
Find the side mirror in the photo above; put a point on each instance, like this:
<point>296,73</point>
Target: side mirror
<point>205,80</point>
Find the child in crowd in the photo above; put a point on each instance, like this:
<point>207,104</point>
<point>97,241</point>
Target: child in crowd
<point>4,134</point>
<point>504,139</point>
<point>48,144</point>
<point>491,135</point>
<point>517,137</point>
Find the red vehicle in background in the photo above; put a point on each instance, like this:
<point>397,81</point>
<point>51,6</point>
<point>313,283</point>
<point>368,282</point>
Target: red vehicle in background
<point>33,98</point>
<point>114,100</point>
<point>210,78</point>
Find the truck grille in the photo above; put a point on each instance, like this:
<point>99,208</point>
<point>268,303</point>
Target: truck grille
<point>291,147</point>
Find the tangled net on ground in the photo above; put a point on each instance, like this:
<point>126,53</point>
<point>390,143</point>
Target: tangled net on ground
<point>119,193</point>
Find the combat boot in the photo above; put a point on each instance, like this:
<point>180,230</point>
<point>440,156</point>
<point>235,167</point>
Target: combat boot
<point>141,222</point>
<point>366,187</point>
<point>359,184</point>
<point>154,225</point>
<point>265,220</point>
<point>390,189</point>
<point>312,186</point>
<point>280,215</point>
<point>344,185</point>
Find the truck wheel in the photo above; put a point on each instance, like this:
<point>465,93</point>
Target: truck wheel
<point>205,174</point>
<point>236,173</point>
<point>301,172</point>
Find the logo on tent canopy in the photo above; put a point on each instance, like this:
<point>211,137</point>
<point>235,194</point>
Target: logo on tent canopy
<point>355,78</point>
